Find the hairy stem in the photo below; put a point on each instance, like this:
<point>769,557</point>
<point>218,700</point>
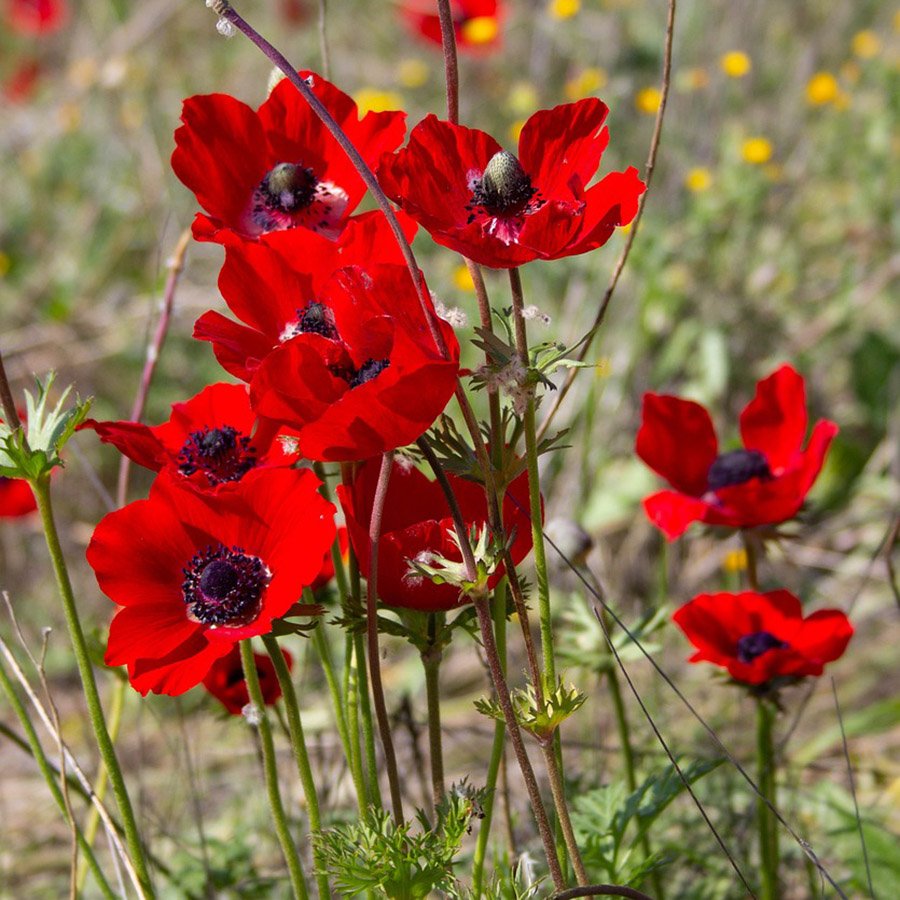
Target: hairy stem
<point>384,725</point>
<point>768,827</point>
<point>270,769</point>
<point>431,661</point>
<point>41,488</point>
<point>301,755</point>
<point>498,609</point>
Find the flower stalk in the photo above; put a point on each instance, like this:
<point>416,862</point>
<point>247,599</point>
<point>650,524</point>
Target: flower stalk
<point>41,488</point>
<point>301,755</point>
<point>767,800</point>
<point>270,770</point>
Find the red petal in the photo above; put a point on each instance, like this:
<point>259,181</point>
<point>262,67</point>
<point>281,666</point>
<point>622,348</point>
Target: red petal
<point>133,439</point>
<point>612,202</point>
<point>238,349</point>
<point>774,422</point>
<point>677,440</point>
<point>16,498</point>
<point>220,155</point>
<point>824,635</point>
<point>673,513</point>
<point>562,146</point>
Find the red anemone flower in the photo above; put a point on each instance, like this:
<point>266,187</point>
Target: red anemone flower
<point>501,210</point>
<point>476,22</point>
<point>761,637</point>
<point>263,172</point>
<point>225,680</point>
<point>417,523</point>
<point>209,440</point>
<point>36,16</point>
<point>195,573</point>
<point>270,289</point>
<point>763,483</point>
<point>361,374</point>
<point>16,498</point>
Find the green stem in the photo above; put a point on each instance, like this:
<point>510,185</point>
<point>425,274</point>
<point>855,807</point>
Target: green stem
<point>498,611</point>
<point>117,704</point>
<point>363,707</point>
<point>557,789</point>
<point>768,827</point>
<point>270,769</point>
<point>351,699</point>
<point>50,776</point>
<point>301,755</point>
<point>431,662</point>
<point>41,488</point>
<point>624,729</point>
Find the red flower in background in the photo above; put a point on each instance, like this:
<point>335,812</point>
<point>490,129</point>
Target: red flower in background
<point>196,573</point>
<point>326,573</point>
<point>277,168</point>
<point>36,16</point>
<point>760,637</point>
<point>16,498</point>
<point>21,84</point>
<point>269,289</point>
<point>763,483</point>
<point>361,374</point>
<point>417,521</point>
<point>225,680</point>
<point>477,23</point>
<point>209,440</point>
<point>502,211</point>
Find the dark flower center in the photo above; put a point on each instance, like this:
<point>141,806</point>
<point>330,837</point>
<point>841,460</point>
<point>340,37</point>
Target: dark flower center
<point>751,646</point>
<point>314,319</point>
<point>221,454</point>
<point>288,188</point>
<point>223,587</point>
<point>370,369</point>
<point>736,467</point>
<point>504,188</point>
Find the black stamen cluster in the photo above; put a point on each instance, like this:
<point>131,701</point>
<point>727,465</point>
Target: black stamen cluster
<point>224,587</point>
<point>737,467</point>
<point>751,646</point>
<point>370,369</point>
<point>221,454</point>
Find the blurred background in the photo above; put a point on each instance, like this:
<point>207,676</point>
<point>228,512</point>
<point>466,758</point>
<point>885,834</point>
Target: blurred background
<point>769,236</point>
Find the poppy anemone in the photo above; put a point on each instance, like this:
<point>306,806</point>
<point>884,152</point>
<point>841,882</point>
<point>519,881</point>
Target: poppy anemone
<point>261,172</point>
<point>326,573</point>
<point>476,23</point>
<point>762,483</point>
<point>358,373</point>
<point>212,439</point>
<point>502,210</point>
<point>761,637</point>
<point>225,680</point>
<point>270,290</point>
<point>417,523</point>
<point>195,573</point>
<point>36,16</point>
<point>16,498</point>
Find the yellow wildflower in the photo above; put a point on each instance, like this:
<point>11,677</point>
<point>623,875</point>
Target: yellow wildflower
<point>866,44</point>
<point>374,100</point>
<point>647,100</point>
<point>523,97</point>
<point>735,560</point>
<point>516,129</point>
<point>412,73</point>
<point>462,279</point>
<point>480,30</point>
<point>735,64</point>
<point>757,150</point>
<point>698,180</point>
<point>564,9</point>
<point>822,88</point>
<point>586,83</point>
